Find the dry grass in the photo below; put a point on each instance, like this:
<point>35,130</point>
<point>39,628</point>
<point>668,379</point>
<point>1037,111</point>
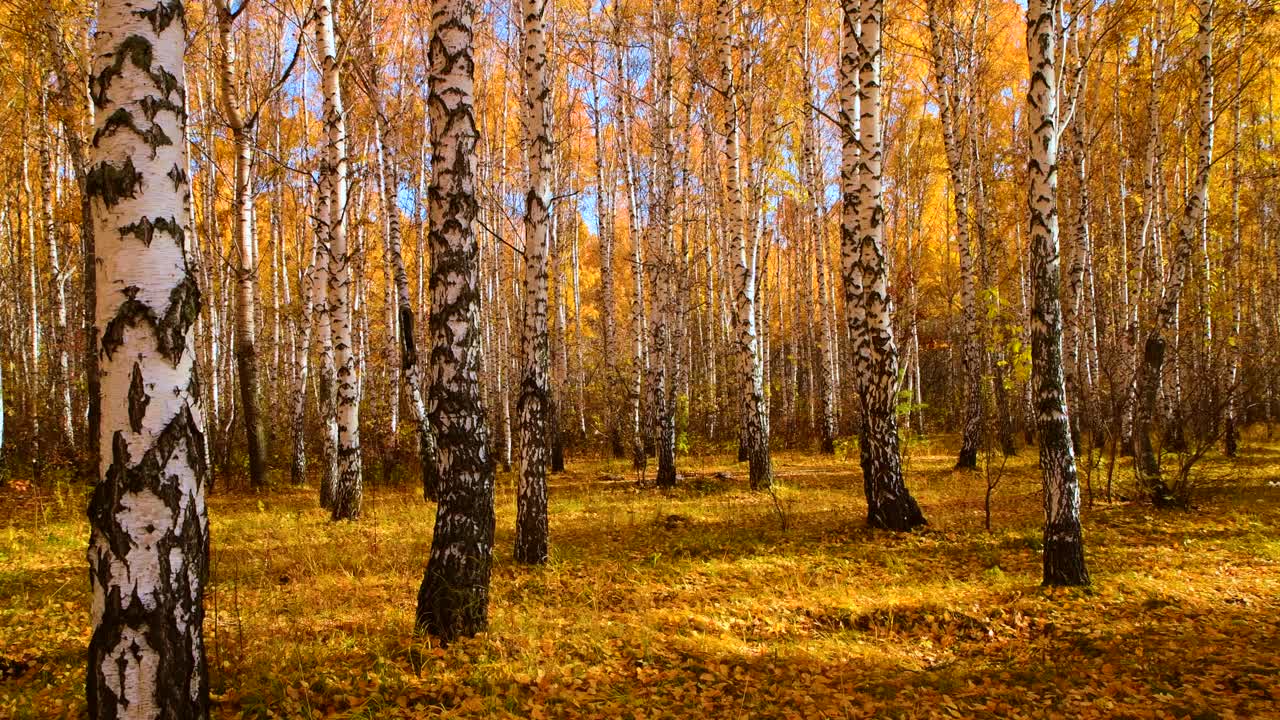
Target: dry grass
<point>698,603</point>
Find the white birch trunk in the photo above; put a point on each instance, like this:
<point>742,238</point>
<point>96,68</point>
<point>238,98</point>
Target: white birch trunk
<point>867,300</point>
<point>453,600</point>
<point>1190,225</point>
<point>348,489</point>
<point>60,391</point>
<point>755,411</point>
<point>246,269</point>
<point>410,364</point>
<point>535,393</point>
<point>148,546</point>
<point>946,70</point>
<point>811,172</point>
<point>1063,545</point>
<point>624,119</point>
<point>605,233</point>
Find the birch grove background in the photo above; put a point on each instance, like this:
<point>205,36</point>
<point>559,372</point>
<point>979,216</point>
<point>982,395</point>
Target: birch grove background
<point>957,250</point>
<point>465,245</point>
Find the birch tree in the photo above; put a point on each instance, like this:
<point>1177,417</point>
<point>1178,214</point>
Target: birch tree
<point>322,318</point>
<point>347,492</point>
<point>1235,278</point>
<point>535,399</point>
<point>866,282</point>
<point>625,118</point>
<point>812,178</point>
<point>305,323</point>
<point>946,77</point>
<point>754,408</point>
<point>1189,226</point>
<point>149,531</point>
<point>410,365</point>
<point>60,370</point>
<point>453,600</point>
<point>662,402</point>
<point>246,269</point>
<point>1063,545</point>
<point>605,234</point>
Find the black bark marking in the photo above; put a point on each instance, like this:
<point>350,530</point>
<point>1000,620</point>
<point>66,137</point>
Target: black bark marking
<point>170,330</point>
<point>163,14</point>
<point>138,399</point>
<point>134,48</point>
<point>112,184</point>
<point>193,385</point>
<point>178,176</point>
<point>137,50</point>
<point>167,82</point>
<point>408,351</point>
<point>145,229</point>
<point>154,136</point>
<point>152,105</point>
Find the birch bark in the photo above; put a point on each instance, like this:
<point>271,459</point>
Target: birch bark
<point>149,531</point>
<point>1190,224</point>
<point>347,491</point>
<point>535,399</point>
<point>453,600</point>
<point>1063,545</point>
<point>747,345</point>
<point>246,269</point>
<point>867,301</point>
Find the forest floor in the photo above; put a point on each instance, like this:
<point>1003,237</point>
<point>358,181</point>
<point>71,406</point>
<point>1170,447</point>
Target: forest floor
<point>706,602</point>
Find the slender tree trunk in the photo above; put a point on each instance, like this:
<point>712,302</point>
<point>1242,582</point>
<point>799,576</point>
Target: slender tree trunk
<point>559,355</point>
<point>281,361</point>
<point>1235,277</point>
<point>1189,227</point>
<point>348,489</point>
<point>1074,305</point>
<point>1063,544</point>
<point>535,394</point>
<point>60,392</point>
<point>748,348</point>
<point>322,317</point>
<point>623,102</point>
<point>410,367</point>
<point>949,106</point>
<point>866,281</point>
<point>305,322</point>
<point>76,147</point>
<point>504,391</point>
<point>662,403</point>
<point>35,375</point>
<point>246,269</point>
<point>148,546</point>
<point>580,368</point>
<point>815,186</point>
<point>990,250</point>
<point>1128,299</point>
<point>605,234</point>
<point>1147,264</point>
<point>389,212</point>
<point>454,598</point>
<point>207,269</point>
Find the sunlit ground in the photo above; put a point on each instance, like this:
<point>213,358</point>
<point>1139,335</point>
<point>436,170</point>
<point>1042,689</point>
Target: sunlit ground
<point>707,602</point>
